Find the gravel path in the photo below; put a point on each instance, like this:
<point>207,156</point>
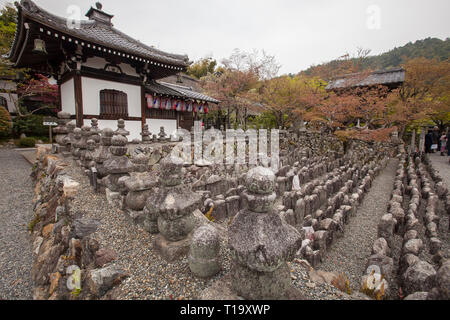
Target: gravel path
<point>15,213</point>
<point>349,253</point>
<point>441,164</point>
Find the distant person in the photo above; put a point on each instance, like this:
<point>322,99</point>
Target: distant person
<point>428,141</point>
<point>436,137</point>
<point>448,145</point>
<point>443,143</point>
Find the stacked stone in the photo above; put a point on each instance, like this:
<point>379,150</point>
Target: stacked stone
<point>121,129</point>
<point>204,252</point>
<point>261,243</point>
<point>76,144</point>
<point>162,136</point>
<point>145,135</point>
<point>88,159</point>
<point>69,138</point>
<point>416,274</point>
<point>116,166</point>
<point>103,153</point>
<point>95,131</point>
<point>82,144</point>
<point>61,132</point>
<point>169,210</point>
<point>139,186</point>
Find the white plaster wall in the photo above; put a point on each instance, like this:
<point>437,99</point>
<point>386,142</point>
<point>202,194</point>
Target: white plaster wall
<point>99,63</point>
<point>91,95</point>
<point>154,125</point>
<point>68,97</point>
<point>11,101</point>
<point>134,127</point>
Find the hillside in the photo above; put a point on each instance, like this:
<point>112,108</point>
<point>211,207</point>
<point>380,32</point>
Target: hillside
<point>429,48</point>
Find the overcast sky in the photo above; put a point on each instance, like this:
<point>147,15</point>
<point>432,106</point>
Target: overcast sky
<point>298,33</point>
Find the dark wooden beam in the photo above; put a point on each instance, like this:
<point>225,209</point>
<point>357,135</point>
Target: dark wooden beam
<point>78,99</point>
<point>143,105</point>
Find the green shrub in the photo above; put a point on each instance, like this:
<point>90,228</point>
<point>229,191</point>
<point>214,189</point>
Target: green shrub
<point>31,125</point>
<point>27,143</point>
<point>5,123</point>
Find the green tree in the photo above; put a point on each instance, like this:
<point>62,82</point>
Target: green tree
<point>202,68</point>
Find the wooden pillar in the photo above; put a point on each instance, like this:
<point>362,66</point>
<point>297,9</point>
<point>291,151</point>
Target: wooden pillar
<point>143,106</point>
<point>78,99</point>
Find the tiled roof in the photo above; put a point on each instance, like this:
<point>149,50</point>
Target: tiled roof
<point>101,34</point>
<point>190,93</point>
<point>383,77</point>
<point>177,91</point>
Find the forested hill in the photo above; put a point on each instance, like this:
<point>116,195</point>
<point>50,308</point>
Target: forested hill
<point>429,48</point>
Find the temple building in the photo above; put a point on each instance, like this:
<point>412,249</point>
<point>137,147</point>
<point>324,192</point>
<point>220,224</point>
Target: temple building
<point>392,79</point>
<point>105,74</point>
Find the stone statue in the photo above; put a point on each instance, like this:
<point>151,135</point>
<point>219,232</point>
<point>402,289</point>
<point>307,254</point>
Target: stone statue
<point>261,242</point>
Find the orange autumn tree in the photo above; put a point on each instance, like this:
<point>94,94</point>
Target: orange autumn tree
<point>238,80</point>
<point>425,95</point>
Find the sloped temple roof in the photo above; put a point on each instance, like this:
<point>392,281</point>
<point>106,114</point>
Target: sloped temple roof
<point>176,91</point>
<point>384,77</point>
<point>95,36</point>
<point>97,30</point>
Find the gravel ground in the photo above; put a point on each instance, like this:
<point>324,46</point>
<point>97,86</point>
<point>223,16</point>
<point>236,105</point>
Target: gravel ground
<point>349,253</point>
<point>15,213</point>
<point>151,278</point>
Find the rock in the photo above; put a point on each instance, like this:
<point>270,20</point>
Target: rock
<point>419,277</point>
<point>204,252</point>
<point>409,235</point>
<point>54,280</point>
<point>384,263</point>
<point>47,230</point>
<point>413,246</point>
<point>83,227</point>
<point>104,256</point>
<point>102,280</point>
<point>406,261</point>
<point>37,244</point>
<point>435,245</point>
<point>381,247</point>
<point>417,296</point>
<point>443,280</point>
<point>386,228</point>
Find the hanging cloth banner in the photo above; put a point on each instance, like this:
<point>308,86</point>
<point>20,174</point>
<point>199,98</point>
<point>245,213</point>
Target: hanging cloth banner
<point>178,106</point>
<point>156,102</point>
<point>195,106</point>
<point>175,104</point>
<point>189,106</point>
<point>149,101</point>
<point>200,108</point>
<point>205,108</point>
<point>168,104</point>
<point>183,105</point>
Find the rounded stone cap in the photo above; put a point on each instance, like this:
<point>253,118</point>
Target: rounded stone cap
<point>63,115</point>
<point>171,165</point>
<point>71,125</point>
<point>119,140</point>
<point>260,180</point>
<point>77,132</point>
<point>107,132</point>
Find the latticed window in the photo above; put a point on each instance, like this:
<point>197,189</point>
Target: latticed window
<point>113,103</point>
